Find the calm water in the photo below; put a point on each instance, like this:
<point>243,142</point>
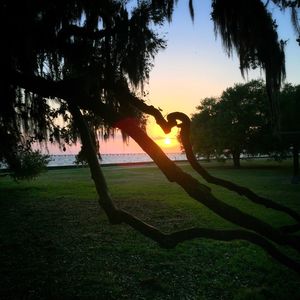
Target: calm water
<point>68,160</point>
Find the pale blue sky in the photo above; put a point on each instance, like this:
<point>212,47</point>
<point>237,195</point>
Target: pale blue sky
<point>195,65</point>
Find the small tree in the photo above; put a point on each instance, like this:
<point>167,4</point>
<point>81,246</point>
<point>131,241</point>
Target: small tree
<point>21,160</point>
<point>30,164</point>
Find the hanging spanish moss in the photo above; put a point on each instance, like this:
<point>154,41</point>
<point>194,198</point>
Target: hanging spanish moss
<point>248,28</point>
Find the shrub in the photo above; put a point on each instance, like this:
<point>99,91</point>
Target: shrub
<point>30,164</point>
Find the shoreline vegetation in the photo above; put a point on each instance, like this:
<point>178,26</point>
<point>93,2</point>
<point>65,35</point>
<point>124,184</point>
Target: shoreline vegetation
<point>56,241</point>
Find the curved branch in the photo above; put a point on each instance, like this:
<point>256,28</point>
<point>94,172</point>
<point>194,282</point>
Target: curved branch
<point>193,187</point>
<point>173,239</point>
<point>241,190</point>
<point>124,93</point>
<point>185,137</point>
<point>200,192</point>
<point>117,216</point>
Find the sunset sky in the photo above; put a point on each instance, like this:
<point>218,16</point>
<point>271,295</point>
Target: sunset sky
<point>194,66</point>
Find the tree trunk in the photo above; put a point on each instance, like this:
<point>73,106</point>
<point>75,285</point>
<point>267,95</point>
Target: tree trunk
<point>236,159</point>
<point>296,178</point>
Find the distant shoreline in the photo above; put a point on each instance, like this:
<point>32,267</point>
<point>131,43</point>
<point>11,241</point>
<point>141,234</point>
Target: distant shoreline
<point>125,164</point>
<point>116,154</point>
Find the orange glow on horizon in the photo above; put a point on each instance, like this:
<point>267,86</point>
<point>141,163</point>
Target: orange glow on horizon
<point>115,145</point>
<point>167,142</point>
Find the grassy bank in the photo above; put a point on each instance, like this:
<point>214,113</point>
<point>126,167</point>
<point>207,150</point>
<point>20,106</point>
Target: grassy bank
<point>55,241</point>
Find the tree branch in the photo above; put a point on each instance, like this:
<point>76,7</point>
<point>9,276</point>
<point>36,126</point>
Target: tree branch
<point>125,94</point>
<point>117,216</point>
<point>196,190</point>
<point>79,89</point>
<point>200,192</point>
<point>243,191</point>
<point>173,239</point>
<point>185,137</point>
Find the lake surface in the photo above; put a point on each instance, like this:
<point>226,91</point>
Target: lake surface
<point>69,160</point>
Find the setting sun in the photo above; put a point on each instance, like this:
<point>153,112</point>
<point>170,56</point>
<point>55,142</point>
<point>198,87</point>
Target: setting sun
<point>167,141</point>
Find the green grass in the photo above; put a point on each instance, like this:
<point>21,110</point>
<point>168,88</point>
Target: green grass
<point>55,241</point>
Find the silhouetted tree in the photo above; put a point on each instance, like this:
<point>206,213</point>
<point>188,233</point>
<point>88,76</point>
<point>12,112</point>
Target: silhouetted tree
<point>236,122</point>
<point>86,57</point>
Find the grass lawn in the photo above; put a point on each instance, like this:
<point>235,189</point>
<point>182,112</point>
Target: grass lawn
<point>55,241</point>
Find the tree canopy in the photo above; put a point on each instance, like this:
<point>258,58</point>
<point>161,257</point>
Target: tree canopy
<point>239,121</point>
<point>71,67</point>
